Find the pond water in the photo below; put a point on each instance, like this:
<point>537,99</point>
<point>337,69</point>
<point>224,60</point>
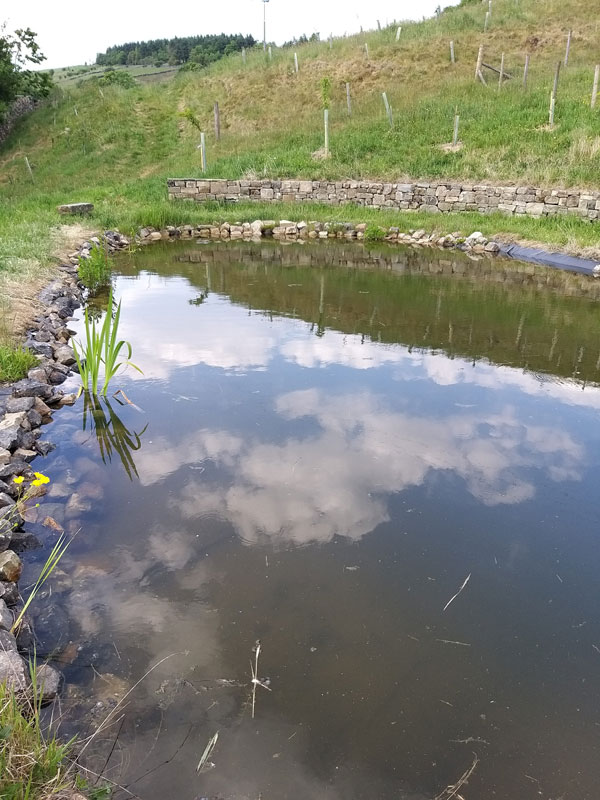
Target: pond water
<point>325,443</point>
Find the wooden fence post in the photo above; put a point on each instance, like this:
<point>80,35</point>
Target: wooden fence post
<point>348,100</point>
<point>398,32</point>
<point>243,55</point>
<point>526,71</point>
<point>296,62</point>
<point>452,59</point>
<point>501,76</point>
<point>326,121</point>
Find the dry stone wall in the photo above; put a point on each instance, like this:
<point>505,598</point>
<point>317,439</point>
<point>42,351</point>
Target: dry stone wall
<point>435,197</point>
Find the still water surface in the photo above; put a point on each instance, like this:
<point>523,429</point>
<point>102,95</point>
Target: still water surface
<point>326,441</point>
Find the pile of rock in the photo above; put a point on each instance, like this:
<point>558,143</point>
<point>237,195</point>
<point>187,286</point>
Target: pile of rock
<point>25,408</point>
<point>289,230</point>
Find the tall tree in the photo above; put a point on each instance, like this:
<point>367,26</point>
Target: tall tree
<point>17,51</point>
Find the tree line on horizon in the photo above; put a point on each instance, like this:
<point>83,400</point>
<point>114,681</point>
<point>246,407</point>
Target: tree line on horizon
<point>200,50</point>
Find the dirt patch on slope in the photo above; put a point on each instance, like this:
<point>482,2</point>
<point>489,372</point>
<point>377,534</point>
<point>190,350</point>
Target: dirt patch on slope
<point>19,294</point>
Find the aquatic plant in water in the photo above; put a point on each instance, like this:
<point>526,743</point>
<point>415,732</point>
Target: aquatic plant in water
<point>95,270</point>
<point>101,347</point>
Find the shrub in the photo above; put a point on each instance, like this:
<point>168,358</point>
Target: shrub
<point>94,271</point>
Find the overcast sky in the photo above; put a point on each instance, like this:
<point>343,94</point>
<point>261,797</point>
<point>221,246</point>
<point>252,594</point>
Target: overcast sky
<point>71,32</point>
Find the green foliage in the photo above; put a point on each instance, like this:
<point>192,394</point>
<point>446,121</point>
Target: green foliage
<point>188,114</point>
<point>113,77</point>
<point>101,347</point>
<point>15,362</point>
<point>374,233</point>
<point>30,763</point>
<point>34,764</point>
<point>50,565</point>
<point>17,50</point>
<point>95,271</point>
<point>202,50</point>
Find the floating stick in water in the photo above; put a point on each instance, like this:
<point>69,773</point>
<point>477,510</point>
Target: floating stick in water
<point>453,598</point>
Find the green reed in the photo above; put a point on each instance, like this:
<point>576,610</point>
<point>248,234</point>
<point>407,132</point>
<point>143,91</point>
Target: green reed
<point>101,347</point>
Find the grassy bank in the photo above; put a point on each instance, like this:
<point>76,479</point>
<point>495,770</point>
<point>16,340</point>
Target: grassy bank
<point>115,147</point>
<point>34,764</point>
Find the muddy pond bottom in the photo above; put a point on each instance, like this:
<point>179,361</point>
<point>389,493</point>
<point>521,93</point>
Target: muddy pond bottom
<point>382,465</point>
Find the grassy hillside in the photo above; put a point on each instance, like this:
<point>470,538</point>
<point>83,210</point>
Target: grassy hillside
<point>115,147</point>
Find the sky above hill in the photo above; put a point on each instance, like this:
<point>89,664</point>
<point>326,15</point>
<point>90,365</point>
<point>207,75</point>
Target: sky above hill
<point>72,32</point>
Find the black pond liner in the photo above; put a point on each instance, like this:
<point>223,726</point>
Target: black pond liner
<point>556,260</point>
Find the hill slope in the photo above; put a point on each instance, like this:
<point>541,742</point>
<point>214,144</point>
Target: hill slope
<point>116,146</point>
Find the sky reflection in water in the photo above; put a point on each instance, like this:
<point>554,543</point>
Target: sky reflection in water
<point>303,482</point>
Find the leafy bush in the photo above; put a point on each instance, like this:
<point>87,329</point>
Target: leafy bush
<point>94,271</point>
<point>374,233</point>
<point>112,77</point>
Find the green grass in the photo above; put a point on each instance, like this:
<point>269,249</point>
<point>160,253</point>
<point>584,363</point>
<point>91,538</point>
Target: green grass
<point>116,148</point>
<point>30,763</point>
<point>34,764</point>
<point>94,271</point>
<point>15,362</point>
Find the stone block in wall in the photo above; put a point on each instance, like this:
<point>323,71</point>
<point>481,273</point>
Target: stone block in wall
<point>405,187</point>
<point>218,187</point>
<point>305,186</point>
<point>534,209</point>
<point>552,200</point>
<point>267,193</point>
<point>507,207</point>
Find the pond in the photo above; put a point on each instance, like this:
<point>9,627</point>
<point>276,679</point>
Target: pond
<point>380,463</point>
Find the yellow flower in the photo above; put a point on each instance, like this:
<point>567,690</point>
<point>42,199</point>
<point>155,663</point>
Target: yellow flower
<point>19,479</point>
<point>40,478</point>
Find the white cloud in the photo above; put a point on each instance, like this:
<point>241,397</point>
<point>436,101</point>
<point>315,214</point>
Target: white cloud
<point>334,481</point>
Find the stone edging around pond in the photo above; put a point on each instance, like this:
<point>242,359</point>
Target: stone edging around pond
<point>26,406</point>
<point>287,230</point>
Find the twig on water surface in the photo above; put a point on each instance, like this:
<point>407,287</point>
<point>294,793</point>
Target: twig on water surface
<point>204,764</point>
<point>255,680</point>
<point>452,790</point>
<point>449,641</point>
<point>453,598</point>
